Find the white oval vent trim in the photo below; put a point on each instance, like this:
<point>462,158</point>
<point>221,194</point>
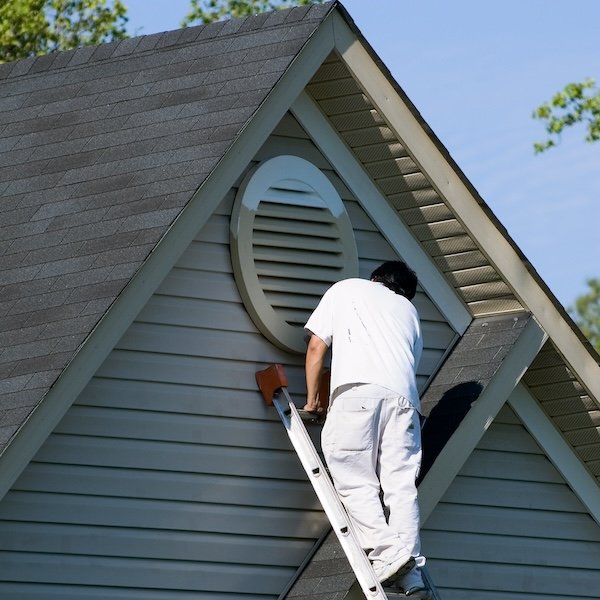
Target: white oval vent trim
<point>291,238</point>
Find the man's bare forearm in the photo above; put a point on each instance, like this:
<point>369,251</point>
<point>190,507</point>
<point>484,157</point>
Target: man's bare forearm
<point>315,359</point>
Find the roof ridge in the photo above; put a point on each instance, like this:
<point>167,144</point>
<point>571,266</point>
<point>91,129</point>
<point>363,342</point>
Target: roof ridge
<point>152,42</point>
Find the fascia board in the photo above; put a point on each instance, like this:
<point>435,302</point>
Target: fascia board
<point>156,267</point>
<point>481,415</point>
<point>398,235</point>
<point>451,185</point>
<point>559,452</point>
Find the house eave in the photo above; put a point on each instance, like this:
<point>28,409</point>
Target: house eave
<point>469,207</point>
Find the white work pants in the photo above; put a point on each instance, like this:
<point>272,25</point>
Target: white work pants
<point>371,441</point>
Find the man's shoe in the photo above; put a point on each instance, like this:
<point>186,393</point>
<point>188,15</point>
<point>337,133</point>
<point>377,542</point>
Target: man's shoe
<point>392,572</point>
<point>413,585</point>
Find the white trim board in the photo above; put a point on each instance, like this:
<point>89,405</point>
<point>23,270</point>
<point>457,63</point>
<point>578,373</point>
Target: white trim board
<point>449,184</point>
<point>398,235</point>
<point>481,415</point>
<point>126,307</point>
<point>559,452</point>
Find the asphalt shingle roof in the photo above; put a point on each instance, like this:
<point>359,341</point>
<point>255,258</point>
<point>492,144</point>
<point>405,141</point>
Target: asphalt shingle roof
<point>100,150</point>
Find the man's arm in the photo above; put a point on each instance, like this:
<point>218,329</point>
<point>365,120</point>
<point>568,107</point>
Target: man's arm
<point>315,358</point>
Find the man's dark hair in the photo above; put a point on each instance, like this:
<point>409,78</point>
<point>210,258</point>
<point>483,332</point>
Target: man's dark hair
<point>397,276</point>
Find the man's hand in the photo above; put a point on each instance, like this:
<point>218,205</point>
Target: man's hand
<point>315,358</point>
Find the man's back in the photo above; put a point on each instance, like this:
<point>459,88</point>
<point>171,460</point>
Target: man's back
<point>375,334</point>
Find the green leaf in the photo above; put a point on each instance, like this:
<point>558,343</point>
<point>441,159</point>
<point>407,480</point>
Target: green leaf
<point>586,312</point>
<point>576,103</point>
<point>34,27</point>
<point>208,11</point>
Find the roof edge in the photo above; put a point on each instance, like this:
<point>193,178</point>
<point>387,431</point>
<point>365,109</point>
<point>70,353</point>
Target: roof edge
<point>82,56</point>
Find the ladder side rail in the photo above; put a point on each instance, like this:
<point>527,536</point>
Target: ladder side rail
<point>429,583</point>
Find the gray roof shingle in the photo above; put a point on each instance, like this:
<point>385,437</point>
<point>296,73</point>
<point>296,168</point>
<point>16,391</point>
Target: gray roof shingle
<point>100,150</point>
<point>463,377</point>
<point>328,575</point>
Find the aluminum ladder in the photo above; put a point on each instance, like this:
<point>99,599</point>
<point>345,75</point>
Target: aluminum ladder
<point>272,382</point>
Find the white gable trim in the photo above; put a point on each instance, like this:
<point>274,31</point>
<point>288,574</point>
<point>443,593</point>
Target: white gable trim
<point>398,235</point>
<point>126,307</point>
<point>556,448</point>
<point>472,215</point>
<point>479,418</point>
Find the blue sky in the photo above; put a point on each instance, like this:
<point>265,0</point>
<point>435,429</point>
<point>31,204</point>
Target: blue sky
<point>476,70</point>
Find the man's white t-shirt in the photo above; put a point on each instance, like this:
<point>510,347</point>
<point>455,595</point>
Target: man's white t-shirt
<point>375,333</point>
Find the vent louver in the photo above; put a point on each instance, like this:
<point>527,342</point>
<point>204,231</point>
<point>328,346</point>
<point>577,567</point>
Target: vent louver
<point>291,238</point>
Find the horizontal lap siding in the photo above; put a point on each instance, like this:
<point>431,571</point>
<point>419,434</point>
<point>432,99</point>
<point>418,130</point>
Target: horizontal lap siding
<point>168,475</point>
<point>169,478</point>
<point>510,527</point>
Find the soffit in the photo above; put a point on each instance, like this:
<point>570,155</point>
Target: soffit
<point>409,191</point>
<point>567,403</point>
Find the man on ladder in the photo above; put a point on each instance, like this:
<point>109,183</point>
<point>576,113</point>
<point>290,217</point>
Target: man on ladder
<point>371,439</point>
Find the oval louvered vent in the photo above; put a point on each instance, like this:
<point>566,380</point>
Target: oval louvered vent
<point>291,238</point>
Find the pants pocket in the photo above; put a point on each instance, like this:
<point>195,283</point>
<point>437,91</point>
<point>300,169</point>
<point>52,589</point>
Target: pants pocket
<point>354,424</point>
